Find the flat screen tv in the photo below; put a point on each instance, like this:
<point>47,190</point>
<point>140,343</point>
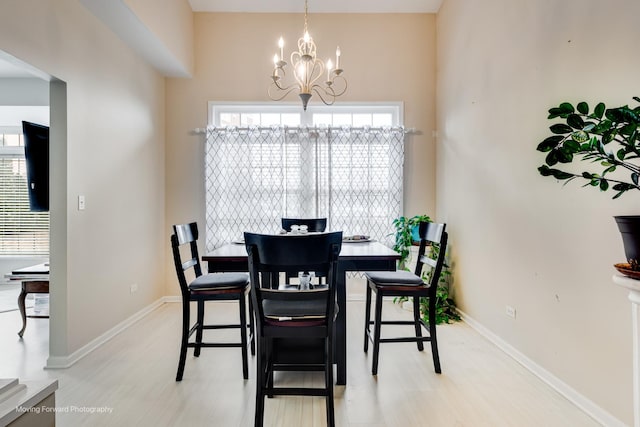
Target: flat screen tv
<point>36,153</point>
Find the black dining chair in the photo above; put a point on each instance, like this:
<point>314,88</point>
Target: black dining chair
<point>203,288</point>
<point>314,225</point>
<point>402,283</point>
<point>294,328</point>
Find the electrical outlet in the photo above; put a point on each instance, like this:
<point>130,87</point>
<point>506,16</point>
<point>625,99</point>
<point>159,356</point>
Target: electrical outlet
<point>510,311</point>
<point>133,288</point>
<point>81,202</point>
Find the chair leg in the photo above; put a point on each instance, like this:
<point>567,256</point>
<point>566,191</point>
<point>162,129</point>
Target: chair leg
<point>367,318</point>
<point>376,334</point>
<point>184,340</point>
<point>243,336</point>
<point>433,336</point>
<point>269,365</point>
<point>328,367</point>
<point>416,320</point>
<point>200,317</point>
<point>252,332</point>
<point>260,384</point>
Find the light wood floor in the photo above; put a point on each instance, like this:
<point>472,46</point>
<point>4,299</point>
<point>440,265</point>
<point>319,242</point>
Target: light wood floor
<point>133,377</point>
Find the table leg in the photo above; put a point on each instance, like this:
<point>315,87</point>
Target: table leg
<point>340,334</point>
<point>23,311</point>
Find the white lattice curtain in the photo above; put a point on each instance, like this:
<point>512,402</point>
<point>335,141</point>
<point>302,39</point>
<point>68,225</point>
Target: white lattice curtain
<point>255,176</point>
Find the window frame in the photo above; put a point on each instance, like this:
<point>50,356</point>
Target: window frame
<point>216,108</point>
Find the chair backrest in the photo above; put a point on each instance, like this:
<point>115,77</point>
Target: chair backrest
<point>434,236</point>
<point>273,254</point>
<point>185,234</point>
<point>313,224</point>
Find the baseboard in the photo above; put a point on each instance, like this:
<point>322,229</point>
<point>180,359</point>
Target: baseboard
<point>63,362</point>
<point>582,402</point>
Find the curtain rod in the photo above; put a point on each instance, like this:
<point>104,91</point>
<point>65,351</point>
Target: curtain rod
<point>304,128</point>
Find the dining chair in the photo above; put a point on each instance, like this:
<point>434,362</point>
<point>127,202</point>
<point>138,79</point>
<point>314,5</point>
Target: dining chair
<point>294,328</point>
<point>314,225</point>
<point>203,288</point>
<point>422,283</point>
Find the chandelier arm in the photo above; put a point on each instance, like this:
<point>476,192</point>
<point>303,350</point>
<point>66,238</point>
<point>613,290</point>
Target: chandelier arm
<point>328,92</point>
<point>285,91</point>
<point>339,79</point>
<point>277,84</point>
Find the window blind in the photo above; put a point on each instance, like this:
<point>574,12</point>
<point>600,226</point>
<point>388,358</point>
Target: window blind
<point>22,232</point>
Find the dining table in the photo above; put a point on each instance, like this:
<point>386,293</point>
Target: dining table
<point>355,256</point>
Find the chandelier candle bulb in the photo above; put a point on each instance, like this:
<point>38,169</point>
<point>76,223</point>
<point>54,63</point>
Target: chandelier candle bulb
<point>281,46</point>
<point>338,57</point>
<point>329,67</point>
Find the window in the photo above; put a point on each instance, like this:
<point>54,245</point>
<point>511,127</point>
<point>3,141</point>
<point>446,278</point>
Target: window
<point>378,115</point>
<point>22,232</point>
<point>267,162</point>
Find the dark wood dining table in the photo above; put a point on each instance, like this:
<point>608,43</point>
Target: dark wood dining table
<point>360,256</point>
<point>35,280</point>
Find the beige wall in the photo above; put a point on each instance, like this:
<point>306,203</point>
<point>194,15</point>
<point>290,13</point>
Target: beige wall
<point>385,57</point>
<point>520,239</point>
<point>172,24</point>
<point>112,151</point>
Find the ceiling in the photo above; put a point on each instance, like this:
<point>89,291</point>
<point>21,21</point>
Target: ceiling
<point>9,68</point>
<point>317,6</point>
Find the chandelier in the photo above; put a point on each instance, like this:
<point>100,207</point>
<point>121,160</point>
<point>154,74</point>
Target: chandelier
<point>307,72</point>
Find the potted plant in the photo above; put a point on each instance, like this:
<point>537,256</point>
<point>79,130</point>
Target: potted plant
<point>405,236</point>
<point>609,140</point>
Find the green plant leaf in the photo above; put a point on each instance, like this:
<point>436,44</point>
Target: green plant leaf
<point>552,158</point>
<point>566,108</point>
<point>583,108</point>
<point>571,146</point>
<point>575,121</point>
<point>549,143</point>
<point>608,136</point>
<point>599,110</point>
<point>602,127</point>
<point>560,128</point>
<point>555,112</point>
<point>621,154</point>
<point>629,129</point>
<point>564,155</point>
<point>614,114</point>
<point>580,136</point>
<point>556,173</point>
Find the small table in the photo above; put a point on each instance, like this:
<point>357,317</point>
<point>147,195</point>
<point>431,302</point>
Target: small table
<point>633,285</point>
<point>361,256</point>
<point>35,280</point>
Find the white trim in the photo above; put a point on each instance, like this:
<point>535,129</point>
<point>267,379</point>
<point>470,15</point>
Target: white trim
<point>173,298</point>
<point>63,362</point>
<point>575,397</point>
